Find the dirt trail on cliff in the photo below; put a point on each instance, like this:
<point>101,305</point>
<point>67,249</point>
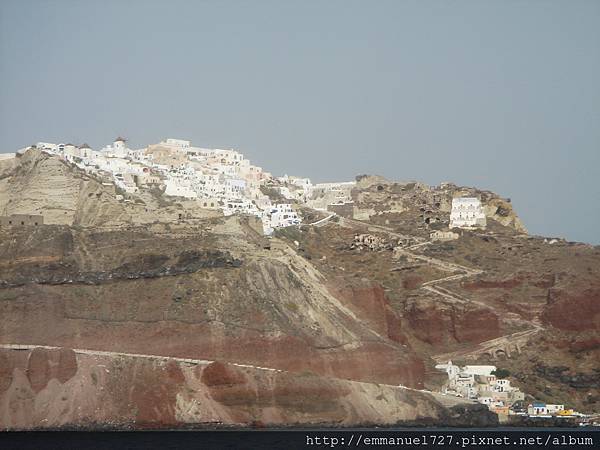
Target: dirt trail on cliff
<point>518,338</point>
<point>447,399</point>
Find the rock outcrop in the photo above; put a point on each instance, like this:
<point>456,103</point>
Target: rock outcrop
<point>43,184</point>
<point>387,202</point>
<point>574,311</point>
<point>38,183</point>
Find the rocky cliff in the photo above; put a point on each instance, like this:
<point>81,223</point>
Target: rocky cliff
<point>148,313</point>
<point>490,296</point>
<point>195,293</point>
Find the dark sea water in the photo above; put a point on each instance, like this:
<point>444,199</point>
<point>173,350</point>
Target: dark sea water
<point>311,438</point>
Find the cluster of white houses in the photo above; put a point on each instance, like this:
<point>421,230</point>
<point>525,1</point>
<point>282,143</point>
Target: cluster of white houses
<point>480,383</point>
<point>216,178</point>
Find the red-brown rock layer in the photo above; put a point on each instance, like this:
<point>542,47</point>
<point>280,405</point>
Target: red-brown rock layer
<point>572,310</point>
<point>144,392</point>
<point>44,365</point>
<point>438,326</point>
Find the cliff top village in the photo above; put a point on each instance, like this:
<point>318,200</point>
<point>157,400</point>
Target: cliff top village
<point>222,180</point>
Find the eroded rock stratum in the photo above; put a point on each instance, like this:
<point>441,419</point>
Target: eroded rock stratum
<point>118,315</point>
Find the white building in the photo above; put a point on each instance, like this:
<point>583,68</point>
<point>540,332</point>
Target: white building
<point>177,143</point>
<point>117,149</point>
<point>179,187</point>
<point>440,235</point>
<point>341,186</point>
<point>46,146</point>
<point>537,409</point>
<point>303,183</point>
<point>234,188</point>
<point>479,370</point>
<point>227,156</point>
<point>467,212</point>
<point>281,215</point>
<point>210,203</point>
<point>239,206</point>
<point>71,150</point>
<point>502,385</point>
<point>554,409</point>
<point>85,151</point>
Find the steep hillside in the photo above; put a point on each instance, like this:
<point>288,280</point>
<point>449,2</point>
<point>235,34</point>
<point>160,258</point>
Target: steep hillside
<point>527,303</point>
<point>208,322</point>
<point>203,292</point>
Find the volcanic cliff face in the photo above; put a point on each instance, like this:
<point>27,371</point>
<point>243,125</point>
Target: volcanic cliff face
<point>116,291</point>
<point>152,313</point>
<point>54,388</point>
<point>209,293</point>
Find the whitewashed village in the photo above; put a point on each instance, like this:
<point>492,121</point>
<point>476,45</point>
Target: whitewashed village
<point>225,180</point>
<point>214,178</point>
<point>490,386</point>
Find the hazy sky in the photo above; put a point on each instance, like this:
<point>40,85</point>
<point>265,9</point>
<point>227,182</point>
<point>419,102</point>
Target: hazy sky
<point>502,95</point>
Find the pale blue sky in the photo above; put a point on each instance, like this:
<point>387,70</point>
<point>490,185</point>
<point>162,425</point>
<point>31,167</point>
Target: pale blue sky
<point>502,95</point>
